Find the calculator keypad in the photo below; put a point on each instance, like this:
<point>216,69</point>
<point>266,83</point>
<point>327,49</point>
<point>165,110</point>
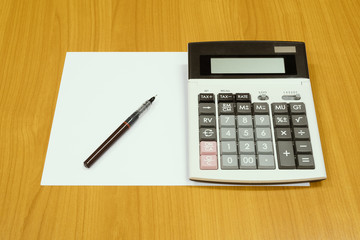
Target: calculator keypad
<point>249,136</point>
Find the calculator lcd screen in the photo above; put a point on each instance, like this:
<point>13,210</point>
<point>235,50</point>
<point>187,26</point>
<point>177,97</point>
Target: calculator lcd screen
<point>274,65</point>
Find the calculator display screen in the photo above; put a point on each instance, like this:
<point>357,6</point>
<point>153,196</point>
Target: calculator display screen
<point>270,65</point>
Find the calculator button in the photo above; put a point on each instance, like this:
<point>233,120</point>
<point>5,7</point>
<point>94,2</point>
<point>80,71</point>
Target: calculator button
<point>228,148</point>
<point>247,162</point>
<point>207,108</point>
<point>206,97</point>
<point>301,133</point>
<point>243,97</point>
<point>208,148</point>
<point>208,162</point>
<point>245,134</point>
<point>262,120</point>
<point>263,134</point>
<point>226,108</point>
<point>282,134</point>
<point>279,108</point>
<point>246,147</point>
<point>281,121</point>
<point>225,97</point>
<point>227,121</point>
<point>264,147</point>
<point>229,162</point>
<point>261,108</point>
<point>305,162</point>
<point>227,134</point>
<point>243,108</point>
<point>244,121</point>
<point>207,134</point>
<point>285,154</point>
<point>297,108</point>
<point>266,162</point>
<point>302,147</point>
<point>299,120</point>
<point>207,121</point>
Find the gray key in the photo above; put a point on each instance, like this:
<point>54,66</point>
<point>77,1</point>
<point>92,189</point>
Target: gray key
<point>282,134</point>
<point>227,134</point>
<point>299,120</point>
<point>245,134</point>
<point>281,121</point>
<point>301,133</point>
<point>207,134</point>
<point>305,162</point>
<point>227,121</point>
<point>262,134</point>
<point>247,162</point>
<point>261,108</point>
<point>228,148</point>
<point>244,121</point>
<point>264,147</point>
<point>297,108</point>
<point>229,162</point>
<point>207,121</point>
<point>246,147</point>
<point>207,108</point>
<point>262,120</point>
<point>243,108</point>
<point>285,154</point>
<point>266,162</point>
<point>226,108</point>
<point>302,147</point>
<point>279,108</point>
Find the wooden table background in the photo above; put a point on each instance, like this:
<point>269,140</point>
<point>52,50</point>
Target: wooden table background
<point>34,38</point>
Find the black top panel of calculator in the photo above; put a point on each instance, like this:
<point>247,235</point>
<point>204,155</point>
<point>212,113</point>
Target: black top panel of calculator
<point>212,59</point>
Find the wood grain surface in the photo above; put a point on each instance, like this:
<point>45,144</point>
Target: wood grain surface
<point>34,38</point>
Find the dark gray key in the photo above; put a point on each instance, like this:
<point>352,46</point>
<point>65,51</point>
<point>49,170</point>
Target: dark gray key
<point>229,162</point>
<point>261,108</point>
<point>207,134</point>
<point>299,120</point>
<point>301,133</point>
<point>226,108</point>
<point>207,121</point>
<point>285,154</point>
<point>243,108</point>
<point>279,108</point>
<point>225,97</point>
<point>243,97</point>
<point>281,121</point>
<point>282,134</point>
<point>305,161</point>
<point>302,147</point>
<point>266,162</point>
<point>297,108</point>
<point>207,108</point>
<point>206,97</point>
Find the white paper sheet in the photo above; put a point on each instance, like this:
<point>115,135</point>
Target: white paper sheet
<point>98,92</point>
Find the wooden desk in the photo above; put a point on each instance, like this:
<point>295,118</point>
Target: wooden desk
<point>34,37</point>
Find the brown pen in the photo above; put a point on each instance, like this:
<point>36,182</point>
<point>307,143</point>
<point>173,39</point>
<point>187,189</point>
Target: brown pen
<point>117,133</point>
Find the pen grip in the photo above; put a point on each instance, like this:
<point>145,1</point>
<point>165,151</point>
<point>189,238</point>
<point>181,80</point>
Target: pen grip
<point>106,144</point>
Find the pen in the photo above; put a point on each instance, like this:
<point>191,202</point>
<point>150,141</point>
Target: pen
<point>117,133</point>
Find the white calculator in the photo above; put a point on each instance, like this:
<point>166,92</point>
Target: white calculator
<point>251,113</point>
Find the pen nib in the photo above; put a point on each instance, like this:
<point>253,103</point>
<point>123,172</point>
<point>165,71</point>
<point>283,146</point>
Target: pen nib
<point>152,99</point>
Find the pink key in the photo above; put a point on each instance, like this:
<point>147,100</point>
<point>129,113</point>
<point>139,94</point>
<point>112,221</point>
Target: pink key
<point>208,148</point>
<point>208,162</point>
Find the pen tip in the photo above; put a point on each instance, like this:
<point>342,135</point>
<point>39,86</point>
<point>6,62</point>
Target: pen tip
<point>152,99</point>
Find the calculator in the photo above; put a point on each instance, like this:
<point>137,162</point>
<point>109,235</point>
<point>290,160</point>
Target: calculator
<point>251,113</point>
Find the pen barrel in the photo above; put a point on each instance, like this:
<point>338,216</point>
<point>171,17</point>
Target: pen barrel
<point>106,144</point>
